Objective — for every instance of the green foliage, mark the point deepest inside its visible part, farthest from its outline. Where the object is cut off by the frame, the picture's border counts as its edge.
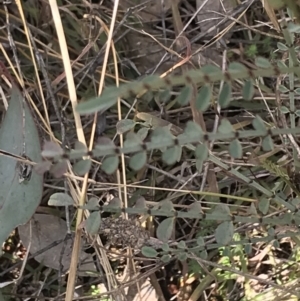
(21, 186)
(209, 86)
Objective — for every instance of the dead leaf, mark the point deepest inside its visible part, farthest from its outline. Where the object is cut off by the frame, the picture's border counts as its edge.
(47, 229)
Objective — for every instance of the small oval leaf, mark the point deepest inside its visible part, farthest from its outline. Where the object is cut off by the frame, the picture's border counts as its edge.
(110, 164)
(199, 165)
(225, 95)
(93, 222)
(224, 233)
(263, 205)
(282, 47)
(248, 90)
(203, 98)
(267, 143)
(108, 99)
(82, 167)
(60, 199)
(185, 95)
(51, 149)
(235, 149)
(92, 204)
(236, 67)
(166, 258)
(125, 125)
(138, 161)
(259, 124)
(201, 152)
(171, 155)
(262, 62)
(200, 241)
(149, 252)
(143, 133)
(165, 229)
(182, 256)
(166, 205)
(225, 127)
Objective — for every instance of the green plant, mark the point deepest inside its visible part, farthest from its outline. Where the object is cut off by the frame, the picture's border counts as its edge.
(194, 139)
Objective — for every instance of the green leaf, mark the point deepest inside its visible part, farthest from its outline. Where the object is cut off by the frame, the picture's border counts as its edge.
(271, 232)
(149, 252)
(166, 205)
(82, 167)
(164, 96)
(165, 247)
(225, 95)
(295, 201)
(297, 113)
(259, 124)
(115, 203)
(201, 152)
(165, 229)
(143, 133)
(132, 140)
(195, 206)
(51, 149)
(203, 254)
(227, 252)
(193, 130)
(182, 256)
(248, 249)
(297, 91)
(140, 203)
(224, 233)
(172, 155)
(185, 95)
(148, 96)
(125, 125)
(93, 222)
(262, 62)
(267, 143)
(263, 205)
(293, 28)
(248, 90)
(80, 146)
(92, 204)
(203, 98)
(101, 103)
(225, 127)
(235, 149)
(210, 69)
(281, 64)
(236, 67)
(166, 258)
(181, 245)
(110, 164)
(221, 211)
(276, 244)
(138, 161)
(284, 110)
(104, 144)
(200, 241)
(282, 47)
(283, 89)
(199, 165)
(58, 169)
(252, 210)
(21, 188)
(60, 199)
(161, 134)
